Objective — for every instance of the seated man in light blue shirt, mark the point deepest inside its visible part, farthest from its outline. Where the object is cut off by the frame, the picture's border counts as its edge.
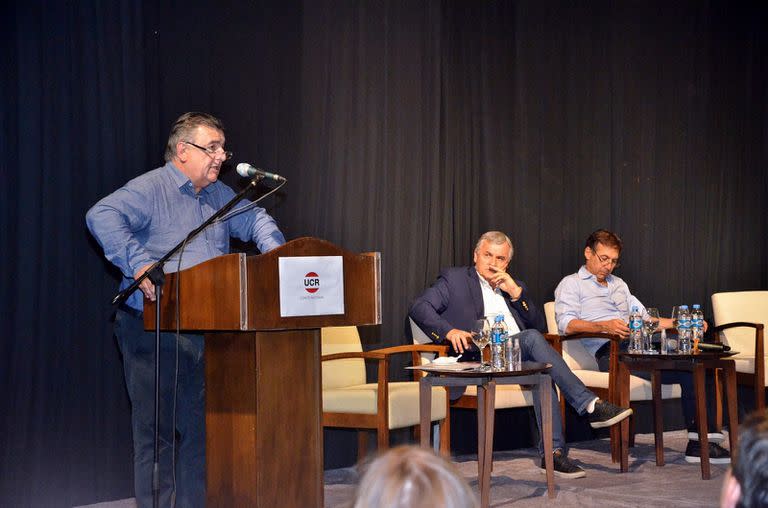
(136, 225)
(593, 300)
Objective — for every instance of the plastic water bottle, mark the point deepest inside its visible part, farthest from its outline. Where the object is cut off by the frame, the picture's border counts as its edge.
(635, 331)
(697, 325)
(498, 338)
(512, 353)
(684, 330)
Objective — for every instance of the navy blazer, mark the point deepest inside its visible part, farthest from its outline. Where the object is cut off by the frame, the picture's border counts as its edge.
(455, 300)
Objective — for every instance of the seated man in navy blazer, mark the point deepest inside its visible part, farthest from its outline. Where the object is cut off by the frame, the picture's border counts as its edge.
(462, 295)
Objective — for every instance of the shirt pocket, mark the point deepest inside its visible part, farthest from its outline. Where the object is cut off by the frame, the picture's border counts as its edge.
(220, 234)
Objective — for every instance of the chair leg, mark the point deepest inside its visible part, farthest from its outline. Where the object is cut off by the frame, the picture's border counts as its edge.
(760, 395)
(632, 431)
(382, 437)
(362, 444)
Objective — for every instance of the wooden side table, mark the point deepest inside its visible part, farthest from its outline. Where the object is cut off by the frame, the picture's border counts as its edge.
(531, 373)
(696, 364)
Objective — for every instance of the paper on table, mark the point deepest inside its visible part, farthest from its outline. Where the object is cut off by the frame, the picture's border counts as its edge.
(458, 367)
(445, 360)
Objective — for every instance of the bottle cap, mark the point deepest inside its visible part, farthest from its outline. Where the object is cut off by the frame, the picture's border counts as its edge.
(696, 306)
(684, 307)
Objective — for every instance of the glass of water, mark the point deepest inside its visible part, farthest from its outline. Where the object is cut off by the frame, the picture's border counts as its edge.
(650, 325)
(481, 336)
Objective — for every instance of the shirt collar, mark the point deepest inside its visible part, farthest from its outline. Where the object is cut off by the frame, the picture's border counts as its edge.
(484, 283)
(585, 274)
(182, 181)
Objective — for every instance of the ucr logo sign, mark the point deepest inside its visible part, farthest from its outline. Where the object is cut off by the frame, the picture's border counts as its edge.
(311, 282)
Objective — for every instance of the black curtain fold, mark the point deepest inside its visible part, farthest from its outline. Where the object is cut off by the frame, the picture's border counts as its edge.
(407, 128)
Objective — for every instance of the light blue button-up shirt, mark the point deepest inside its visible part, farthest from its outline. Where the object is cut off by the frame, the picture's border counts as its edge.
(580, 296)
(140, 222)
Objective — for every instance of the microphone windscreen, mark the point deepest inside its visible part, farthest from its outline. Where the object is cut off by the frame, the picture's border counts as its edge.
(242, 169)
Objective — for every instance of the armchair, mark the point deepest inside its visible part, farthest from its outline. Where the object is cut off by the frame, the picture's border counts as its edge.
(349, 401)
(603, 384)
(740, 319)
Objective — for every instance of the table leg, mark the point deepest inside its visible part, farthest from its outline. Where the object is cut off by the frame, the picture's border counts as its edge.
(658, 417)
(485, 394)
(482, 395)
(729, 370)
(545, 395)
(701, 417)
(425, 410)
(487, 411)
(623, 388)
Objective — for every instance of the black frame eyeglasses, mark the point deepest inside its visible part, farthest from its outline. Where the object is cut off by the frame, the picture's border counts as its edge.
(605, 260)
(210, 151)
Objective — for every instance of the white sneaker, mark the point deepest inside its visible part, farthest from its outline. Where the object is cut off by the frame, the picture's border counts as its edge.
(714, 437)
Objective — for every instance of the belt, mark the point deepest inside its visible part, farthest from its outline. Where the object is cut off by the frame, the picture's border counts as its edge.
(131, 311)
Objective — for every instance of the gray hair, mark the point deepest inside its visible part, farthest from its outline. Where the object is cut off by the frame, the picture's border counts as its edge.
(495, 238)
(413, 477)
(183, 128)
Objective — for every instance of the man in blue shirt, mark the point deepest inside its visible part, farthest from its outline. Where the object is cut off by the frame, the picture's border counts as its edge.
(593, 300)
(136, 225)
(448, 309)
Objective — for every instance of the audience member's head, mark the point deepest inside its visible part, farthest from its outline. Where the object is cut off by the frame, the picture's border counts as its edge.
(411, 477)
(746, 484)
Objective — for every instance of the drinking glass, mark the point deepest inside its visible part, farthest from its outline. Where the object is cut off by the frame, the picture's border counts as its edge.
(675, 311)
(650, 325)
(481, 336)
(672, 341)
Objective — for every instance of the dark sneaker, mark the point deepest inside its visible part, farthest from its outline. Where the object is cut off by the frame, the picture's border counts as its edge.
(563, 466)
(717, 454)
(607, 414)
(714, 437)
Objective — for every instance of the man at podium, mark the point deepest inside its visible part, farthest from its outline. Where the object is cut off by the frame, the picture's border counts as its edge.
(136, 225)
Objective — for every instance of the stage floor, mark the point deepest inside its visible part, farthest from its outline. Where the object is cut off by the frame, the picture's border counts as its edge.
(517, 481)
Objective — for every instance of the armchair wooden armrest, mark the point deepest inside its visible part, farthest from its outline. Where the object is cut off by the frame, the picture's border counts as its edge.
(759, 335)
(557, 340)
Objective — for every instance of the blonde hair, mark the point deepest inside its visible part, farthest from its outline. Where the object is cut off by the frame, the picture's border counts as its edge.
(412, 477)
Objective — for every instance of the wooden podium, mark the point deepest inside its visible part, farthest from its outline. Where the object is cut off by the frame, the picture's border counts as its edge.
(264, 444)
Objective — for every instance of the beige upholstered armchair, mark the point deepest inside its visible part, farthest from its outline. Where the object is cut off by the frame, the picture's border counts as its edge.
(584, 365)
(740, 319)
(349, 401)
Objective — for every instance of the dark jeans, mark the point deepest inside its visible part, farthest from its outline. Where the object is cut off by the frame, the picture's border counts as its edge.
(681, 377)
(534, 347)
(138, 350)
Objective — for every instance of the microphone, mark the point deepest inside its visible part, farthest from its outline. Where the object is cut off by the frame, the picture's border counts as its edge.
(248, 171)
(708, 346)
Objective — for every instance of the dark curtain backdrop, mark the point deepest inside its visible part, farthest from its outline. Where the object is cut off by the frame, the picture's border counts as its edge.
(407, 128)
